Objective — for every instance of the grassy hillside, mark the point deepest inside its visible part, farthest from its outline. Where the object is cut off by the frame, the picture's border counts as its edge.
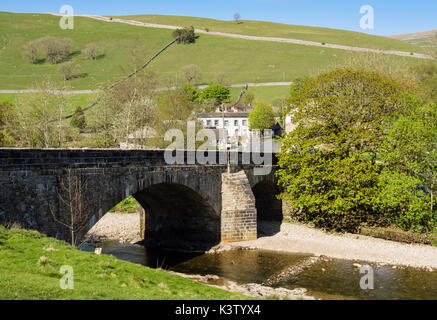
(239, 61)
(30, 264)
(270, 29)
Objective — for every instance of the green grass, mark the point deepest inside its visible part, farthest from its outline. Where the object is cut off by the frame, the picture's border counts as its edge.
(128, 205)
(30, 265)
(270, 29)
(240, 61)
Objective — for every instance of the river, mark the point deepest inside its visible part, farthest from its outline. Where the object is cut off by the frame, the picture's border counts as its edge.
(323, 278)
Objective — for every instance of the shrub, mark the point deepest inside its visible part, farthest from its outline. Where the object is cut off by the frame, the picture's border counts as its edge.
(78, 119)
(92, 51)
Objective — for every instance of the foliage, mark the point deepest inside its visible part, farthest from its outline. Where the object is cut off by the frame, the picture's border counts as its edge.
(328, 163)
(78, 120)
(409, 154)
(92, 51)
(124, 110)
(261, 117)
(220, 93)
(37, 114)
(55, 50)
(191, 73)
(426, 74)
(69, 71)
(173, 112)
(185, 35)
(8, 121)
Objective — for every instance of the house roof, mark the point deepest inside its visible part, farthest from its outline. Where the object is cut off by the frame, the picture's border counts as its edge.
(226, 115)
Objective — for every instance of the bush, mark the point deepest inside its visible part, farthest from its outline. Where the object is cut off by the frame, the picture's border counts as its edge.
(92, 51)
(78, 120)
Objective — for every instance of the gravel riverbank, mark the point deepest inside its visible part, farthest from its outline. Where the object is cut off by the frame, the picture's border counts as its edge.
(124, 228)
(292, 238)
(295, 238)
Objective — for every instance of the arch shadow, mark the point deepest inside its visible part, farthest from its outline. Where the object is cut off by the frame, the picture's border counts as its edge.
(269, 208)
(177, 217)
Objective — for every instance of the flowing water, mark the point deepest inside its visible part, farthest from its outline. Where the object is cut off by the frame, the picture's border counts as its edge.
(323, 278)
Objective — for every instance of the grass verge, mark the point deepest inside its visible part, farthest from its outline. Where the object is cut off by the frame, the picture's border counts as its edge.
(30, 269)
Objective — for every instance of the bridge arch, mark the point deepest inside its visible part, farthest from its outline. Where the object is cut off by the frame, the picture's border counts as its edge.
(176, 215)
(269, 208)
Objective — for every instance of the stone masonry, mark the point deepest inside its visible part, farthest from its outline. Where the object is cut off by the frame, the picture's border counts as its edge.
(238, 208)
(189, 202)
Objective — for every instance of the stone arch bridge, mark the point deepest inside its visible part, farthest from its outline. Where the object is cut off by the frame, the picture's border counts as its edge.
(182, 203)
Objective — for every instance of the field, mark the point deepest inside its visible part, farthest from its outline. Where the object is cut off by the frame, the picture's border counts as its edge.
(30, 269)
(270, 29)
(235, 60)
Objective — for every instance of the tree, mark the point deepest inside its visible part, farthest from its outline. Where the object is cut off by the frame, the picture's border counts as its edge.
(174, 110)
(261, 117)
(237, 17)
(181, 36)
(92, 51)
(218, 92)
(36, 113)
(409, 180)
(30, 51)
(74, 211)
(185, 35)
(78, 120)
(329, 168)
(191, 73)
(56, 50)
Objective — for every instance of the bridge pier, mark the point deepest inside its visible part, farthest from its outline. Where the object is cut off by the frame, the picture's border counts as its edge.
(238, 218)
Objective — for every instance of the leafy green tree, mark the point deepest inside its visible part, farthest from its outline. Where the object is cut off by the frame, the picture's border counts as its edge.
(409, 155)
(185, 35)
(261, 117)
(328, 163)
(220, 93)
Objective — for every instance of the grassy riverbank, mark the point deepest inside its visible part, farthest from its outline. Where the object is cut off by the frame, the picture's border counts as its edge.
(30, 265)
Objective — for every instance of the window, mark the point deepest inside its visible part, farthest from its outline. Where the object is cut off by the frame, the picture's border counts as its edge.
(208, 123)
(226, 123)
(245, 123)
(236, 123)
(216, 123)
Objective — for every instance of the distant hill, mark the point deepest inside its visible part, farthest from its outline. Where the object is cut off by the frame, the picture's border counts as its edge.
(422, 39)
(232, 60)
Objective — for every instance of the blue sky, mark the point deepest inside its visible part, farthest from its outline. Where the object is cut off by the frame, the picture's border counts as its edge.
(391, 16)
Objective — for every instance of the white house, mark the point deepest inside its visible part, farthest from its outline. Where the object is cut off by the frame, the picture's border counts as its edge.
(236, 124)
